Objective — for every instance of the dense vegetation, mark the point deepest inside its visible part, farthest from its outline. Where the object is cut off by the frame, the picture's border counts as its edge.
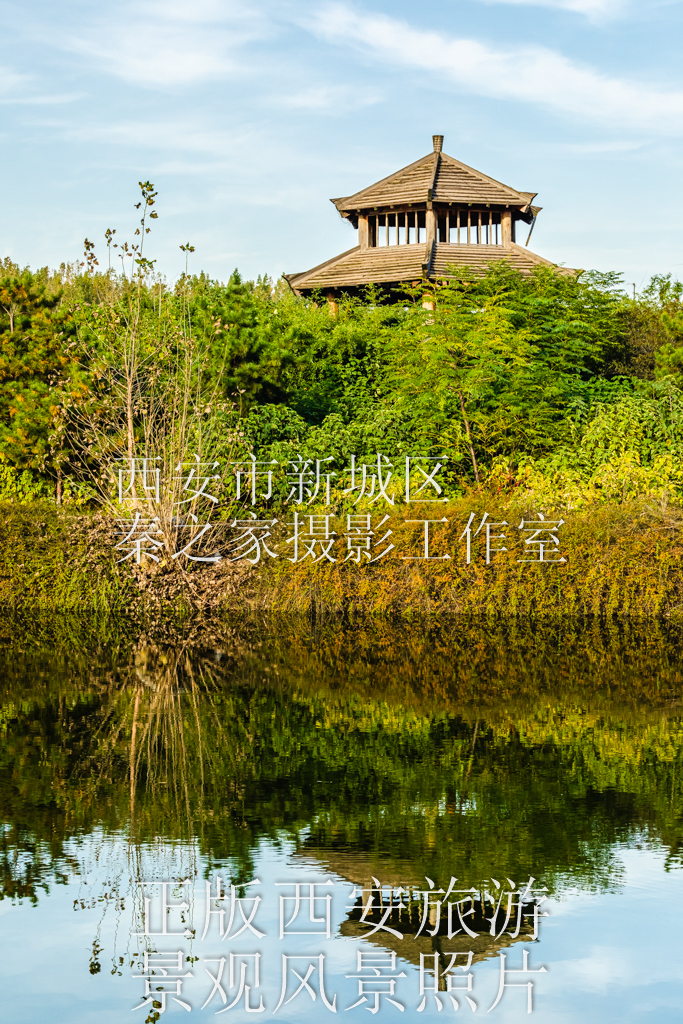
(561, 385)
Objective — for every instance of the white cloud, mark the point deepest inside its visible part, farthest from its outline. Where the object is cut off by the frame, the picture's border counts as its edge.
(15, 90)
(50, 99)
(531, 74)
(591, 148)
(179, 136)
(11, 80)
(339, 98)
(608, 969)
(174, 43)
(594, 9)
(194, 148)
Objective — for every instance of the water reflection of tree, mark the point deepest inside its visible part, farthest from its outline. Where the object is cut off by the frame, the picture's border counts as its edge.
(466, 750)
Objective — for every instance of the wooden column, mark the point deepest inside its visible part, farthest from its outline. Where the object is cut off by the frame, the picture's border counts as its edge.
(332, 303)
(506, 228)
(430, 224)
(363, 230)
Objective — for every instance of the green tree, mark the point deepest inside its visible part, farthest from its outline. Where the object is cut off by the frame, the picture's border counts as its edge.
(35, 331)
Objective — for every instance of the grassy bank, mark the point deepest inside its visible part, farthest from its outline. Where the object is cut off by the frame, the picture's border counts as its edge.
(47, 561)
(64, 560)
(620, 559)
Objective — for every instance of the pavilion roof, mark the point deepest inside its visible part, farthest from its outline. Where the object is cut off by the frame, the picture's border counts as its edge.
(397, 263)
(439, 178)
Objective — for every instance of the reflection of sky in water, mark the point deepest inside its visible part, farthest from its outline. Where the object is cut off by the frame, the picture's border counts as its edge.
(610, 957)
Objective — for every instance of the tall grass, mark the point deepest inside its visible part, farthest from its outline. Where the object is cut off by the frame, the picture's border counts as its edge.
(47, 564)
(620, 560)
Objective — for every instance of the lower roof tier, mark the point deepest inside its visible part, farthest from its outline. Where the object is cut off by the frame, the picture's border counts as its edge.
(395, 263)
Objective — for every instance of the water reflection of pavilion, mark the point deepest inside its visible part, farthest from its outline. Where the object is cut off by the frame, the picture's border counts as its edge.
(362, 872)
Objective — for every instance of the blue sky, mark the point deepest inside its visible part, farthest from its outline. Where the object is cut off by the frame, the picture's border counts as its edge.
(248, 117)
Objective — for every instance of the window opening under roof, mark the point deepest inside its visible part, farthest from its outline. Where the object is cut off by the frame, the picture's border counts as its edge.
(385, 229)
(469, 227)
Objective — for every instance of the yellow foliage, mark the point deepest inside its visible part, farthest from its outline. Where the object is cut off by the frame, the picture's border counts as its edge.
(620, 559)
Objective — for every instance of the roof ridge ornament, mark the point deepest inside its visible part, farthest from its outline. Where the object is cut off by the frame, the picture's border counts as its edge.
(437, 140)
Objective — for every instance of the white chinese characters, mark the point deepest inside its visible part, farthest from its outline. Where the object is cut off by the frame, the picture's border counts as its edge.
(383, 971)
(355, 516)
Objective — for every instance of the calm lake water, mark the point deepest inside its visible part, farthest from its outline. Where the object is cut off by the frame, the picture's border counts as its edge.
(344, 809)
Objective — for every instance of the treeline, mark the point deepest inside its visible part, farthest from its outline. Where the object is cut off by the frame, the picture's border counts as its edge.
(565, 386)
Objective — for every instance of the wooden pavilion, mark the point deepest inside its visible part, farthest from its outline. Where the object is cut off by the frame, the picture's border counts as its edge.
(421, 222)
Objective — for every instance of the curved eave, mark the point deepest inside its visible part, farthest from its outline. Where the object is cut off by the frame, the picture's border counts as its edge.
(400, 263)
(299, 280)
